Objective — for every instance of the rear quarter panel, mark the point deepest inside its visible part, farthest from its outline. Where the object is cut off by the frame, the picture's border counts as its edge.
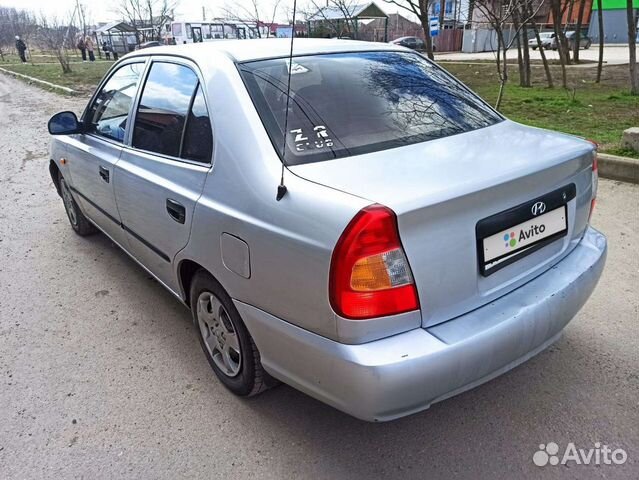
(291, 241)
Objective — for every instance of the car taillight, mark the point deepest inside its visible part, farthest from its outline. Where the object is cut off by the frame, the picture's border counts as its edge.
(595, 179)
(370, 276)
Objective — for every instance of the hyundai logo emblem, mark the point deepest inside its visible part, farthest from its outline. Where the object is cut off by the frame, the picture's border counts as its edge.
(538, 208)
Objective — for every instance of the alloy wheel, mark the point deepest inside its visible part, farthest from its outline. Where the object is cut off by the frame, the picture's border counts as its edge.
(219, 334)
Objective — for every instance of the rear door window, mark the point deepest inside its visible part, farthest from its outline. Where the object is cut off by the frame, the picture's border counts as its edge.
(164, 106)
(172, 118)
(352, 103)
(198, 138)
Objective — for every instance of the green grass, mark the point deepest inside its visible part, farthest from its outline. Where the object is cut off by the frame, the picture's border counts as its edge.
(83, 77)
(36, 57)
(600, 112)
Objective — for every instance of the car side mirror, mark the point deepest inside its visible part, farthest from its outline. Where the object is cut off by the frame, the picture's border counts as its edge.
(64, 123)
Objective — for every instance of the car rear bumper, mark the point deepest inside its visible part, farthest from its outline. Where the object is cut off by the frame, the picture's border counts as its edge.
(403, 374)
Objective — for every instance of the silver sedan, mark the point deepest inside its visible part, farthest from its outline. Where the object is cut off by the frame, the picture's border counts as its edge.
(350, 220)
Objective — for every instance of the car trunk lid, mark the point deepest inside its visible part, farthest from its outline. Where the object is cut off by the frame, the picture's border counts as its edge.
(440, 190)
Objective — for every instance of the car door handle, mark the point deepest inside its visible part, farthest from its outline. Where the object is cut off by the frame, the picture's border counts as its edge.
(104, 173)
(176, 210)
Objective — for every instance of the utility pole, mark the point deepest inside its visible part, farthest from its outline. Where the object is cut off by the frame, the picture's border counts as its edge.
(68, 33)
(203, 14)
(81, 17)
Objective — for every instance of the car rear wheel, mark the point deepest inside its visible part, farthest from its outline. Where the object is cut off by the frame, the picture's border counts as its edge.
(227, 344)
(78, 221)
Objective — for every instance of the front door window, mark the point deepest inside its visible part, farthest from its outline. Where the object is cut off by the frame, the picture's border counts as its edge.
(109, 112)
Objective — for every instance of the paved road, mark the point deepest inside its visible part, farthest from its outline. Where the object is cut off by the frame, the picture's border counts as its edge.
(101, 374)
(613, 55)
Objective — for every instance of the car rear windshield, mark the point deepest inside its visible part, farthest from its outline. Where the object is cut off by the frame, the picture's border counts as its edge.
(353, 103)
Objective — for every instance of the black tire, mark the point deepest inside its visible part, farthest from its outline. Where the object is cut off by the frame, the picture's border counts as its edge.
(251, 379)
(587, 45)
(80, 224)
(534, 48)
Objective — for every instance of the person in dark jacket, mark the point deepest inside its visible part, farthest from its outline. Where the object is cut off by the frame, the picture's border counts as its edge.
(82, 47)
(21, 47)
(106, 49)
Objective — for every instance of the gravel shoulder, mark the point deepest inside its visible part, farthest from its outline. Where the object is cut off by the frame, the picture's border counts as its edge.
(101, 374)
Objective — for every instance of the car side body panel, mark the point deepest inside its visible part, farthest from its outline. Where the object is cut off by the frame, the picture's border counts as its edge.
(290, 242)
(150, 188)
(92, 161)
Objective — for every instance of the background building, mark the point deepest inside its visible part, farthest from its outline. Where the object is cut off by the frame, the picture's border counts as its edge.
(614, 20)
(397, 26)
(344, 21)
(456, 12)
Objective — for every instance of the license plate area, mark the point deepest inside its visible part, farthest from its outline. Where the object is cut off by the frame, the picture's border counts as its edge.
(528, 226)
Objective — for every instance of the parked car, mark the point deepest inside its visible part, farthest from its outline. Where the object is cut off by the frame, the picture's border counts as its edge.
(415, 43)
(149, 44)
(584, 41)
(547, 41)
(366, 239)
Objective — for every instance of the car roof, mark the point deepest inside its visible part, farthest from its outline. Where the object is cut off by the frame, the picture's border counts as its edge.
(258, 49)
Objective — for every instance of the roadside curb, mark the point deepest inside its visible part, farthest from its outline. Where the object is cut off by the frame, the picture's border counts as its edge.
(67, 90)
(618, 168)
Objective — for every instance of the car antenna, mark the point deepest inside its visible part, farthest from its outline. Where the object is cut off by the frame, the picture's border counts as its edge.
(281, 188)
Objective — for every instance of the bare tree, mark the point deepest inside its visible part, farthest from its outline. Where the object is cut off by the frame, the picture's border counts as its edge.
(54, 36)
(419, 8)
(523, 54)
(498, 13)
(580, 16)
(158, 13)
(275, 7)
(251, 12)
(337, 27)
(15, 22)
(146, 14)
(632, 45)
(82, 16)
(254, 12)
(558, 8)
(601, 39)
(132, 12)
(542, 51)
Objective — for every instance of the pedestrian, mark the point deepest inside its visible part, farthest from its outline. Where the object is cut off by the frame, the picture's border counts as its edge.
(88, 41)
(82, 47)
(106, 50)
(21, 47)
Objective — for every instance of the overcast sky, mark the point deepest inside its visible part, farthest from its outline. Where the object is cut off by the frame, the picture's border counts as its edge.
(105, 10)
(101, 11)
